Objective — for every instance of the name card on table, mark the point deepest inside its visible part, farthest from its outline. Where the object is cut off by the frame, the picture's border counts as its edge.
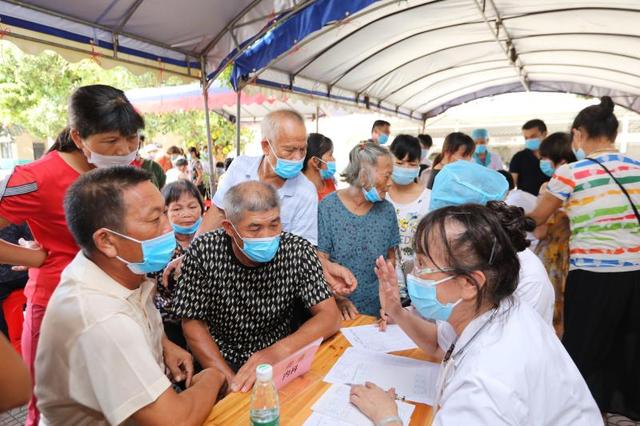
(295, 365)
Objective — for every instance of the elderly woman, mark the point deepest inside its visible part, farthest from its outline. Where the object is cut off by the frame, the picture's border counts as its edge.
(503, 364)
(602, 296)
(357, 225)
(184, 211)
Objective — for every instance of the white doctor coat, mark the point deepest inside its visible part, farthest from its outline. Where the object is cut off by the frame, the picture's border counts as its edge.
(515, 372)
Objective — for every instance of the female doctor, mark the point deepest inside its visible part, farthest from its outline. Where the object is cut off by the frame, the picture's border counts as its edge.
(502, 365)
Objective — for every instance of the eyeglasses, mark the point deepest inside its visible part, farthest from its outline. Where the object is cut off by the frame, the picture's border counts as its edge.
(424, 271)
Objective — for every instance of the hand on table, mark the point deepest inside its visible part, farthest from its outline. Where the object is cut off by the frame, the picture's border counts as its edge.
(178, 361)
(347, 309)
(340, 279)
(246, 376)
(172, 267)
(373, 401)
(388, 292)
(214, 375)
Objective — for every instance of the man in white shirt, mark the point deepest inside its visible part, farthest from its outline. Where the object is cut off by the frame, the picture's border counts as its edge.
(284, 146)
(102, 353)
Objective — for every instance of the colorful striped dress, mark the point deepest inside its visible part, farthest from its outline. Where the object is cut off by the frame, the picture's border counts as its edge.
(605, 234)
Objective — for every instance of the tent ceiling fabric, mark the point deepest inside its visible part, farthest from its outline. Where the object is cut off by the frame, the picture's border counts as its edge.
(419, 57)
(170, 35)
(409, 57)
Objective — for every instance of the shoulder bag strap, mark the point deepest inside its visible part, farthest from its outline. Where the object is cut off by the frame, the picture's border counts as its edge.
(635, 209)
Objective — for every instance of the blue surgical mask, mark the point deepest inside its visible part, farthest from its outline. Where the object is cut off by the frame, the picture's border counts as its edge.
(260, 250)
(423, 296)
(286, 169)
(329, 171)
(547, 167)
(404, 175)
(580, 155)
(532, 144)
(187, 230)
(156, 253)
(383, 138)
(481, 149)
(372, 195)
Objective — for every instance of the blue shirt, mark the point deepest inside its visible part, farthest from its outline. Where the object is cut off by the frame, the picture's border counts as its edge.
(356, 242)
(298, 197)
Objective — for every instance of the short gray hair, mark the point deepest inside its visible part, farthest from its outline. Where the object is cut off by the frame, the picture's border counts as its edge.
(270, 126)
(252, 196)
(363, 160)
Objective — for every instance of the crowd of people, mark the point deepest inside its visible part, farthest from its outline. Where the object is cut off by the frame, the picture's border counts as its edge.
(143, 305)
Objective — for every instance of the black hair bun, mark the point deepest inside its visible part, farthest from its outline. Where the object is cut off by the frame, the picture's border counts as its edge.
(606, 106)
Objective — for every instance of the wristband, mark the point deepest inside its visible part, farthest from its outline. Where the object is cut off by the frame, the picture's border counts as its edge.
(388, 420)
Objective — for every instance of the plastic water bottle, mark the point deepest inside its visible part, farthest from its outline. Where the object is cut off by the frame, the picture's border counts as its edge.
(265, 408)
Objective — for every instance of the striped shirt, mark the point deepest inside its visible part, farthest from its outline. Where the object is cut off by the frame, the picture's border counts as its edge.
(605, 234)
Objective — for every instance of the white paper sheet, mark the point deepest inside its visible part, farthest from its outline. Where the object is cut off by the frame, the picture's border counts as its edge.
(371, 338)
(413, 379)
(334, 408)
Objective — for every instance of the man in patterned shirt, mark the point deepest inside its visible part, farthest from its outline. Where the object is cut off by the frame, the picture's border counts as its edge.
(240, 284)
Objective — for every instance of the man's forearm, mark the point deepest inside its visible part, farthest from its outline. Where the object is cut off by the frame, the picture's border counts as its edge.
(325, 323)
(201, 397)
(203, 346)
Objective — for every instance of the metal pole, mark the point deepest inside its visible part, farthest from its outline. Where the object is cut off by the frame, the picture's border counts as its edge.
(238, 103)
(317, 118)
(205, 95)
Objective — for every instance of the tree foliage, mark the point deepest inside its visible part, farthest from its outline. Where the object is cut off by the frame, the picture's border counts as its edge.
(34, 90)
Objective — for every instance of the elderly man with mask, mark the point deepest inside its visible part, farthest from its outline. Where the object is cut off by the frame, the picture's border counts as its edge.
(482, 155)
(102, 352)
(240, 285)
(284, 146)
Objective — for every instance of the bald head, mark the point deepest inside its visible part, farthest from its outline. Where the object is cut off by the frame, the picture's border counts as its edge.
(251, 196)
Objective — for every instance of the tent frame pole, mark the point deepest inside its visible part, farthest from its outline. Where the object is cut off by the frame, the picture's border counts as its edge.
(238, 113)
(205, 95)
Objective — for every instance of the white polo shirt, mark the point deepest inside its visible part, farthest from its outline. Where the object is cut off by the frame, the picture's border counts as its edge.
(514, 372)
(99, 357)
(298, 197)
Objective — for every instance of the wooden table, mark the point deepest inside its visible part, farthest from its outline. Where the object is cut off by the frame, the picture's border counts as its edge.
(297, 397)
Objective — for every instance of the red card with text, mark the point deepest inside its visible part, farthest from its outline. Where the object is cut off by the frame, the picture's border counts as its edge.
(295, 365)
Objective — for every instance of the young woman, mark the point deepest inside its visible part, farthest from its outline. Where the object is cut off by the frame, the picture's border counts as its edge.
(103, 131)
(457, 146)
(184, 210)
(357, 225)
(502, 363)
(319, 164)
(410, 200)
(601, 196)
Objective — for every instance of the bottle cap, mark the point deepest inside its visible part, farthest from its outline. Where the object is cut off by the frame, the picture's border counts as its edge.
(264, 372)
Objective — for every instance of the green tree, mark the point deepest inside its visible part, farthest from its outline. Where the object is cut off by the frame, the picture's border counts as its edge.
(34, 90)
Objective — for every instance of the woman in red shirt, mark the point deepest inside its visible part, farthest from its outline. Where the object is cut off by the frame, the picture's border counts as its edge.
(319, 164)
(103, 131)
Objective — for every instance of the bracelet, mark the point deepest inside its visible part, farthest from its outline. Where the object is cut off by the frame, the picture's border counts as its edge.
(388, 420)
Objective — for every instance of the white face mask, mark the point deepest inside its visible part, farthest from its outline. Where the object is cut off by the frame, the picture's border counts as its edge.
(104, 161)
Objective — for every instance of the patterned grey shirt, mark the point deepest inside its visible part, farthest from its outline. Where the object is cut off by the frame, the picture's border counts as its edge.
(247, 309)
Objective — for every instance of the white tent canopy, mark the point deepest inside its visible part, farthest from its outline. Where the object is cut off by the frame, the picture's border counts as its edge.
(173, 36)
(411, 57)
(420, 57)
